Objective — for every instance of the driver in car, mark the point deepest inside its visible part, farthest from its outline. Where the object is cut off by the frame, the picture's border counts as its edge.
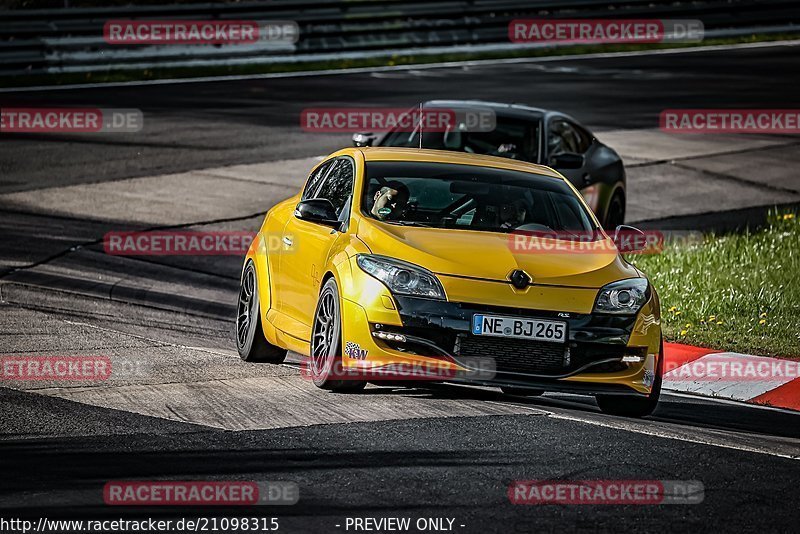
(512, 215)
(390, 201)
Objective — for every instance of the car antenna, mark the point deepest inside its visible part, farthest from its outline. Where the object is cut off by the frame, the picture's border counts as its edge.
(420, 125)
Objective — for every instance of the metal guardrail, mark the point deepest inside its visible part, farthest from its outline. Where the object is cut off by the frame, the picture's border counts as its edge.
(71, 40)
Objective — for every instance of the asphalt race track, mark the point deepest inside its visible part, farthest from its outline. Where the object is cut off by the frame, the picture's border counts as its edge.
(181, 405)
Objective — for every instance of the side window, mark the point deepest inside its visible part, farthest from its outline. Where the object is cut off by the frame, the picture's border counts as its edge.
(584, 139)
(338, 185)
(314, 180)
(563, 137)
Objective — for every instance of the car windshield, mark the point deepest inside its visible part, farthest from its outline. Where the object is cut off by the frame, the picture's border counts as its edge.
(469, 197)
(510, 138)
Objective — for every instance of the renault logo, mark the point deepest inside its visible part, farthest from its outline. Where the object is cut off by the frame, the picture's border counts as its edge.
(520, 279)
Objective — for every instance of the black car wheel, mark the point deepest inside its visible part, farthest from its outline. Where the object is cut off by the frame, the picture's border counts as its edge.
(615, 215)
(250, 340)
(326, 343)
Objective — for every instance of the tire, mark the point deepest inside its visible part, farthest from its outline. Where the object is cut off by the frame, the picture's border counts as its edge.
(250, 340)
(522, 392)
(325, 355)
(634, 406)
(615, 214)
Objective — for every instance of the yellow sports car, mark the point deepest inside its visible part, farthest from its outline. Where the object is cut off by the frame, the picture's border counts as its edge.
(423, 264)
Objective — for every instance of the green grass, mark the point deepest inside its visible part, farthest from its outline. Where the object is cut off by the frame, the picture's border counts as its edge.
(111, 76)
(738, 292)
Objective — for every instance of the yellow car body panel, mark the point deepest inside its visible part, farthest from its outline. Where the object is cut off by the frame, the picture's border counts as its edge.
(472, 267)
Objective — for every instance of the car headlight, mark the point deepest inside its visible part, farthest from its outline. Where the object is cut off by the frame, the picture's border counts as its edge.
(623, 297)
(400, 277)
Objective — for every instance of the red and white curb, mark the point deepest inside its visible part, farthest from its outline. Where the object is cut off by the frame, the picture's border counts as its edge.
(730, 375)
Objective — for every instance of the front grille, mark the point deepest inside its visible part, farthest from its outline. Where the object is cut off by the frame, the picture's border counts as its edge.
(515, 355)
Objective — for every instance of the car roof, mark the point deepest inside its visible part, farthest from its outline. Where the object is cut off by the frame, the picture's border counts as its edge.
(448, 156)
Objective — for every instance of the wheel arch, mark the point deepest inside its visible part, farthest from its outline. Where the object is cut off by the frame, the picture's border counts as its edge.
(327, 276)
(257, 253)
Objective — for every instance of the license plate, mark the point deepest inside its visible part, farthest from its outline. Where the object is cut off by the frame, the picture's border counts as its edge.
(519, 327)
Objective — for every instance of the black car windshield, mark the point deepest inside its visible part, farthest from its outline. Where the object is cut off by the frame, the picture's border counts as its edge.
(444, 195)
(510, 138)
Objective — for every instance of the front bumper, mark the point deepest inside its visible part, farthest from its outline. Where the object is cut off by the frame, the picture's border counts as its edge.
(438, 333)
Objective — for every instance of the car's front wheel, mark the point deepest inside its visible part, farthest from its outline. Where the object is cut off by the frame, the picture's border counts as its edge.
(326, 344)
(250, 340)
(634, 406)
(615, 215)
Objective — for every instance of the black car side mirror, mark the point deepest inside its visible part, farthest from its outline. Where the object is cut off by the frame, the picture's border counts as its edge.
(629, 239)
(364, 139)
(317, 210)
(567, 160)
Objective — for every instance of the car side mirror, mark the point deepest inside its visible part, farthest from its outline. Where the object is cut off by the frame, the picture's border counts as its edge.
(566, 160)
(629, 239)
(364, 139)
(317, 210)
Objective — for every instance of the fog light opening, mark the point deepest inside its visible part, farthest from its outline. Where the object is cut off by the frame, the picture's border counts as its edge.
(389, 336)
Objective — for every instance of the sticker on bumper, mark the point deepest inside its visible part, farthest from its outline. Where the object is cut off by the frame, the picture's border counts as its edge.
(354, 351)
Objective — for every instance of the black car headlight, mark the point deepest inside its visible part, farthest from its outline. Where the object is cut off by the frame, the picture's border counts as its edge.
(623, 297)
(400, 277)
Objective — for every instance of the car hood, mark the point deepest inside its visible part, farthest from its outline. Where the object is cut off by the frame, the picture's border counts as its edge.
(493, 256)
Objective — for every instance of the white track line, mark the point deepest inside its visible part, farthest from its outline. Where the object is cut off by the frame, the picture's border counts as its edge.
(360, 70)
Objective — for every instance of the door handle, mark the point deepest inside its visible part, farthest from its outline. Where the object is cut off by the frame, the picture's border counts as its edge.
(287, 241)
